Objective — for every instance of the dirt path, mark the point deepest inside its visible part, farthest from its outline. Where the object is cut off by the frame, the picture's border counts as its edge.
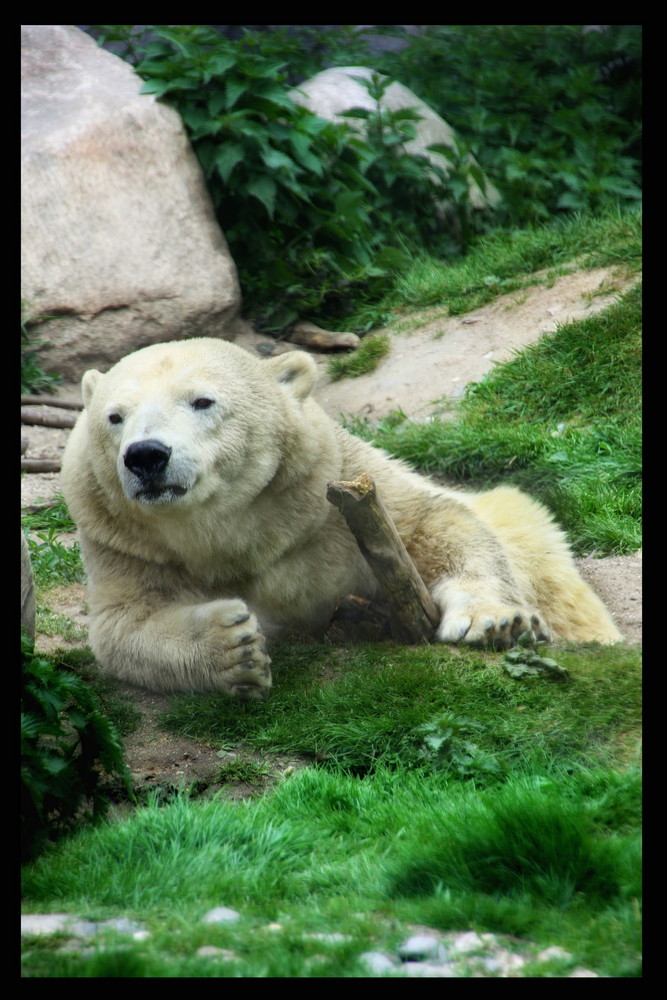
(432, 360)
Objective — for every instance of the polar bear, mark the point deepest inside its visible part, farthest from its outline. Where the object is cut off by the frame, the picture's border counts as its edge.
(197, 476)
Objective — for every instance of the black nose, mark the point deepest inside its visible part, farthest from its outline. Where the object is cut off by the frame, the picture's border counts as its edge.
(147, 458)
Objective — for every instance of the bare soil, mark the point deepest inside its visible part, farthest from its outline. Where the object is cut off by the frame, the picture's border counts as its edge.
(431, 361)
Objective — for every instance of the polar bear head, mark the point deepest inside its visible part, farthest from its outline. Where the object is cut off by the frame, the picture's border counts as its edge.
(174, 424)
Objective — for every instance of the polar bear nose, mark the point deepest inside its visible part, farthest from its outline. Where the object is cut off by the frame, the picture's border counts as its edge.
(147, 458)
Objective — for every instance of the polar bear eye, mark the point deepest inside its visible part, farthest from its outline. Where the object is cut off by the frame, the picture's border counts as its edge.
(202, 404)
(115, 418)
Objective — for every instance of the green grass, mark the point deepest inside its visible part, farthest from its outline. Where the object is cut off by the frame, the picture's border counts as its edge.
(506, 261)
(561, 420)
(358, 708)
(361, 361)
(436, 789)
(52, 562)
(327, 852)
(527, 824)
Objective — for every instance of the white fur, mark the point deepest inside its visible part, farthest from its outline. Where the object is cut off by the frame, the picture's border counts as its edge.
(234, 538)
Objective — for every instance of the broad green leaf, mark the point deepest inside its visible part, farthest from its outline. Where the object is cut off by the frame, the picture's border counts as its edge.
(233, 90)
(226, 158)
(219, 64)
(264, 189)
(275, 160)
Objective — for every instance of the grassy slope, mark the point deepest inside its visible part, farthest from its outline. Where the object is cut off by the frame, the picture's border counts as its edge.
(516, 810)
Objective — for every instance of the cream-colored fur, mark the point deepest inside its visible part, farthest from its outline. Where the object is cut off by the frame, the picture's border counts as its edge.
(197, 477)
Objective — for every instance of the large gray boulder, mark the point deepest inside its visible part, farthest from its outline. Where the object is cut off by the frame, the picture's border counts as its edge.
(332, 92)
(121, 247)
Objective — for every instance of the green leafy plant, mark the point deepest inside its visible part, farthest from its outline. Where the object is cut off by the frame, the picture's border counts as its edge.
(33, 378)
(53, 515)
(67, 745)
(445, 746)
(552, 112)
(281, 177)
(53, 562)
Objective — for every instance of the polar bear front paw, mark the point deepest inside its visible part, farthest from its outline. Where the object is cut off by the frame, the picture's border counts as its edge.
(240, 663)
(492, 626)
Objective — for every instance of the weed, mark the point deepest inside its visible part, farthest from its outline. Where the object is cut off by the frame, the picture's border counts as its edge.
(249, 772)
(279, 176)
(52, 562)
(66, 742)
(54, 516)
(365, 359)
(33, 378)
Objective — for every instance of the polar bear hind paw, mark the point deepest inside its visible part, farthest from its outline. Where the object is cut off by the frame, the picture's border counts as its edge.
(494, 627)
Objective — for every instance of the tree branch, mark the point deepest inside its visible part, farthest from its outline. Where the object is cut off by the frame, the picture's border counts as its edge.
(413, 612)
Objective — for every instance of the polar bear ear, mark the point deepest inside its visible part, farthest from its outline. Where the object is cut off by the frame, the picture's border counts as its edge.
(88, 383)
(295, 370)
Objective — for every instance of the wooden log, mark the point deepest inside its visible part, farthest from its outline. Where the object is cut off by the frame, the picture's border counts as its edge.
(413, 612)
(311, 335)
(36, 417)
(40, 465)
(63, 404)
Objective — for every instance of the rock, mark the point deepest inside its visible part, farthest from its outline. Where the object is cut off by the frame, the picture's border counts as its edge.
(221, 915)
(423, 946)
(66, 923)
(121, 247)
(334, 937)
(211, 951)
(45, 923)
(466, 942)
(334, 91)
(553, 953)
(377, 962)
(428, 970)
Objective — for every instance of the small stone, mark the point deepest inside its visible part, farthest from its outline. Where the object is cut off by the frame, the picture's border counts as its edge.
(123, 926)
(221, 915)
(378, 962)
(210, 951)
(507, 961)
(492, 964)
(463, 943)
(334, 938)
(429, 970)
(548, 954)
(583, 974)
(45, 923)
(423, 946)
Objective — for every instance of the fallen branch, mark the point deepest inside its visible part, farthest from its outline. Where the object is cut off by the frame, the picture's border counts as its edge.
(63, 404)
(310, 335)
(40, 465)
(413, 612)
(33, 417)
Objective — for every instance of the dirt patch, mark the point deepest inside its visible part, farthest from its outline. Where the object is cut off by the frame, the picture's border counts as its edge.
(434, 360)
(429, 365)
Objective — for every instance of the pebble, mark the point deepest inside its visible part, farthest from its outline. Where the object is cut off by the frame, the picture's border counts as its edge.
(422, 946)
(221, 915)
(424, 954)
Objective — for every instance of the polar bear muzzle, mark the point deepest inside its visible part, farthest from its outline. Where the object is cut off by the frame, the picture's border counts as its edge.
(148, 461)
